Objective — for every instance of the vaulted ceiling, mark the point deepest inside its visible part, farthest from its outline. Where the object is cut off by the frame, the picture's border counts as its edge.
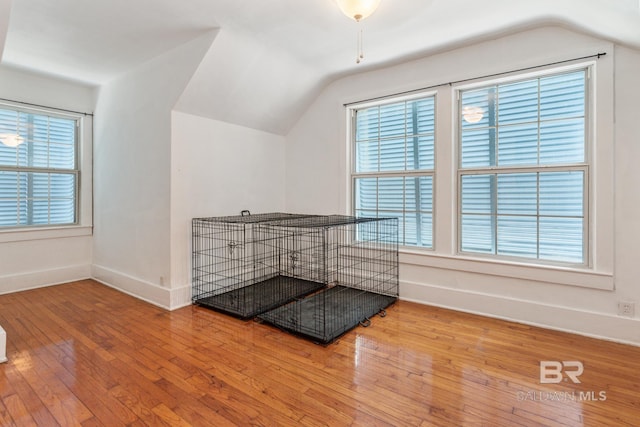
(270, 58)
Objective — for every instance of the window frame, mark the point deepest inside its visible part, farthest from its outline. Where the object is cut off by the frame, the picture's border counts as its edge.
(82, 214)
(586, 166)
(351, 111)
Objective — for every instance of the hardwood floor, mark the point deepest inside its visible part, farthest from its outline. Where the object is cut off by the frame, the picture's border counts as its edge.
(85, 354)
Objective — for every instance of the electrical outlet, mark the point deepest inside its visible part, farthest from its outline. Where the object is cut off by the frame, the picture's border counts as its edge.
(626, 308)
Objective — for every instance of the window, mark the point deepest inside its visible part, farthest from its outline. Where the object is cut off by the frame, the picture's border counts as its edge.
(523, 168)
(392, 172)
(38, 168)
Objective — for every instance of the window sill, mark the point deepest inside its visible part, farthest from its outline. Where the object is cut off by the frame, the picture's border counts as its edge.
(582, 277)
(27, 234)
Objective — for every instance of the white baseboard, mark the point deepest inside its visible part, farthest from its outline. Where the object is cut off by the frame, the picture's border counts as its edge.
(141, 289)
(41, 279)
(3, 345)
(169, 299)
(596, 325)
(180, 297)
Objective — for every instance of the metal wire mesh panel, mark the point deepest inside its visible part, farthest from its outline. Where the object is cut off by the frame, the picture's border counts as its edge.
(357, 258)
(229, 275)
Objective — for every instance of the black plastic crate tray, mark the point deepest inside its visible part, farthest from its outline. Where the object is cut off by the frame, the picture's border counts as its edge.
(327, 314)
(249, 301)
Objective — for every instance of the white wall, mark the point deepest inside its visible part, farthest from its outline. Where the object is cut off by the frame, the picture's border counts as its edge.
(218, 169)
(583, 302)
(33, 258)
(133, 172)
(627, 176)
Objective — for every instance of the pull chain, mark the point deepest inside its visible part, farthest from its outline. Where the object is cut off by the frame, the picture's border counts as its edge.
(359, 49)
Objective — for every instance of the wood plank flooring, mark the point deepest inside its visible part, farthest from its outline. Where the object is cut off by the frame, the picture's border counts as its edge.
(83, 354)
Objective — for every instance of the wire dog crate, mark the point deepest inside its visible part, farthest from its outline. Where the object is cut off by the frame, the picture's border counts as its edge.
(357, 258)
(228, 272)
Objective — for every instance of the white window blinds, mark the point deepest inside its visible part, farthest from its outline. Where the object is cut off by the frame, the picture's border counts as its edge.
(38, 177)
(523, 170)
(393, 166)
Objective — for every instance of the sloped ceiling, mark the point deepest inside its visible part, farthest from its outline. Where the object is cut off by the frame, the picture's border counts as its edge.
(271, 58)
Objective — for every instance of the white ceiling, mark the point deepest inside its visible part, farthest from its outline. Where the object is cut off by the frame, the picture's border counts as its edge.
(271, 57)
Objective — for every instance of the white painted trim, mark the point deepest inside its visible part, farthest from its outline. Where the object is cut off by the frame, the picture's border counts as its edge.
(180, 297)
(169, 299)
(556, 275)
(41, 233)
(41, 279)
(3, 345)
(591, 324)
(138, 288)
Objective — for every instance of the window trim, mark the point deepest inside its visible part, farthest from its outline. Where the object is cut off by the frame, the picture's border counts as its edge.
(83, 224)
(534, 261)
(444, 255)
(352, 157)
(586, 166)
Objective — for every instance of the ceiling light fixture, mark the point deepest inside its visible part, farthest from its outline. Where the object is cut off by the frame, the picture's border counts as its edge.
(472, 114)
(358, 10)
(11, 139)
